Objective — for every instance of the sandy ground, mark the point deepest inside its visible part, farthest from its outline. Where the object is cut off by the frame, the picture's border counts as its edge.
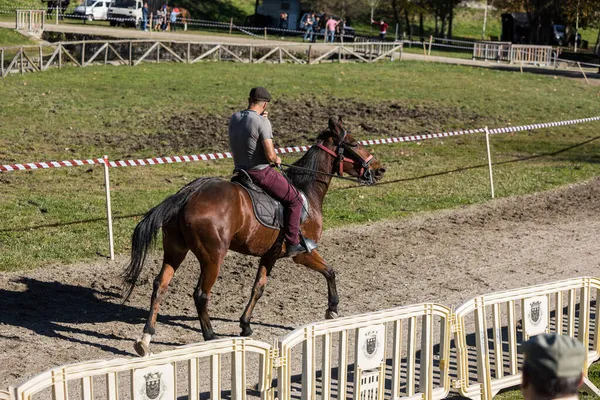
(66, 314)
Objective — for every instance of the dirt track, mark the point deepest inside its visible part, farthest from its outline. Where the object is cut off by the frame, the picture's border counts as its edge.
(60, 315)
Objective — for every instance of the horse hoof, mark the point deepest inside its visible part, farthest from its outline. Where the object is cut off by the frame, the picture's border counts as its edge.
(330, 314)
(141, 348)
(246, 331)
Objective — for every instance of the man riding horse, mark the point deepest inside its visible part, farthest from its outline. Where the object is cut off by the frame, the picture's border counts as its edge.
(251, 144)
(211, 216)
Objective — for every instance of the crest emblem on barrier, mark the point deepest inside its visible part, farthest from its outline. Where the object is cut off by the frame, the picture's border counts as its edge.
(371, 344)
(154, 388)
(534, 313)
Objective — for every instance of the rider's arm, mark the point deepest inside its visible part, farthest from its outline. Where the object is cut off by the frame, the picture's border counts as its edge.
(270, 152)
(266, 134)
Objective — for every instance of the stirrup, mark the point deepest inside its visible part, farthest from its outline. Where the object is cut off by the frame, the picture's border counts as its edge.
(308, 244)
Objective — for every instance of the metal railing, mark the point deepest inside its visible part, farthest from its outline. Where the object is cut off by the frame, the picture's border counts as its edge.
(31, 21)
(401, 353)
(507, 319)
(367, 342)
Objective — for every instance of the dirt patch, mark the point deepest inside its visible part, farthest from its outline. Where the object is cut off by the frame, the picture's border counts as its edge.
(297, 122)
(59, 314)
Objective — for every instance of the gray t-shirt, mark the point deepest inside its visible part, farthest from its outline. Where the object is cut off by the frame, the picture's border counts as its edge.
(247, 130)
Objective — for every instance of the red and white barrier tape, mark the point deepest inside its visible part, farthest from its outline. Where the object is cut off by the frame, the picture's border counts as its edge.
(281, 150)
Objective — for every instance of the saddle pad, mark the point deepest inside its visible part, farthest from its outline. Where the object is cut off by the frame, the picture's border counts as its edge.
(268, 211)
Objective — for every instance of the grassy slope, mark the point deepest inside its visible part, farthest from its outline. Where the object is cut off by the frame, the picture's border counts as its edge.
(8, 37)
(102, 107)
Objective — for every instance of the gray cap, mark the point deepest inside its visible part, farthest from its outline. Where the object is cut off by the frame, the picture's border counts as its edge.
(260, 94)
(554, 356)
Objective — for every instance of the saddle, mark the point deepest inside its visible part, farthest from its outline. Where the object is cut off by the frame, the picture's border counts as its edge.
(268, 211)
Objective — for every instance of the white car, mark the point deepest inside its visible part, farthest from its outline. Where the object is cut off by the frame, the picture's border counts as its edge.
(125, 12)
(93, 10)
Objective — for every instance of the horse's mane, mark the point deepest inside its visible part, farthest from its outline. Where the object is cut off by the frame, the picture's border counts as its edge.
(300, 178)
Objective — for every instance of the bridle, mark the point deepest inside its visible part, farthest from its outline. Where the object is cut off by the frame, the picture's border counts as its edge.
(365, 174)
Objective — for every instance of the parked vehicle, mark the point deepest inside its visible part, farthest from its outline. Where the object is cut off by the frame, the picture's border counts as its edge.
(125, 12)
(93, 10)
(558, 35)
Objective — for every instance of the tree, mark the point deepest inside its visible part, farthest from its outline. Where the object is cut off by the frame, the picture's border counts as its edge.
(543, 13)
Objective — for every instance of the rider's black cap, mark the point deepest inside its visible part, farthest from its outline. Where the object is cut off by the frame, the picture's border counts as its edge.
(260, 94)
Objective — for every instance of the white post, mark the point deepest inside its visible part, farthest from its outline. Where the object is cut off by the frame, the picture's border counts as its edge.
(576, 27)
(487, 141)
(485, 12)
(108, 209)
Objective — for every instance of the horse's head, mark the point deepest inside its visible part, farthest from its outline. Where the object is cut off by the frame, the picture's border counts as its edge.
(351, 157)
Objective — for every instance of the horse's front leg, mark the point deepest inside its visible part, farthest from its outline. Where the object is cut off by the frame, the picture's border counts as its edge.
(264, 270)
(315, 262)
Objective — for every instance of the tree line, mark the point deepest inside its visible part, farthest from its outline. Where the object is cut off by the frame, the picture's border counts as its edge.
(410, 15)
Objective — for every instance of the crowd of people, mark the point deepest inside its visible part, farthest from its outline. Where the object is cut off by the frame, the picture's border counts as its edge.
(315, 24)
(164, 20)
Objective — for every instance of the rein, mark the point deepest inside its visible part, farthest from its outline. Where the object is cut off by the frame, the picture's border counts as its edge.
(319, 172)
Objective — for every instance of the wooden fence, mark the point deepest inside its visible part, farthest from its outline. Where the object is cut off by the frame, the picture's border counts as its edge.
(134, 52)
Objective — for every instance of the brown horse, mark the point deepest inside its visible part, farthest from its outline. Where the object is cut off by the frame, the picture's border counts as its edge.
(183, 16)
(210, 216)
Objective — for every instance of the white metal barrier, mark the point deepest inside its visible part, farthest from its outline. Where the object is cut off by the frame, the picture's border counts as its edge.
(30, 20)
(375, 338)
(159, 376)
(401, 353)
(497, 51)
(530, 54)
(499, 323)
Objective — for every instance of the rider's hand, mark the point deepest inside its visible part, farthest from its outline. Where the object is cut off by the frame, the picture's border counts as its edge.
(278, 161)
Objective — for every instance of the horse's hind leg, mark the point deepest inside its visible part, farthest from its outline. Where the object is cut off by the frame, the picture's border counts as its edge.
(174, 255)
(264, 270)
(315, 262)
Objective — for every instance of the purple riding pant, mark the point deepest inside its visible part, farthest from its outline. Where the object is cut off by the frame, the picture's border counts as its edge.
(280, 189)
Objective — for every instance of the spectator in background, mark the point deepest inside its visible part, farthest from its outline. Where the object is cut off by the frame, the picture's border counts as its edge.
(308, 25)
(145, 17)
(174, 13)
(341, 28)
(160, 15)
(321, 22)
(283, 20)
(331, 26)
(553, 367)
(382, 28)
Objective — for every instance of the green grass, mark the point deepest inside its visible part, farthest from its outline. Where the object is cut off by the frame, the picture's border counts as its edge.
(82, 113)
(9, 37)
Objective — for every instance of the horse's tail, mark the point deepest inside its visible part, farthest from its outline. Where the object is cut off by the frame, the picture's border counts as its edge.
(144, 235)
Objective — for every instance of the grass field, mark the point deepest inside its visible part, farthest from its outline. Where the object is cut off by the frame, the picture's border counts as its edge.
(8, 37)
(53, 216)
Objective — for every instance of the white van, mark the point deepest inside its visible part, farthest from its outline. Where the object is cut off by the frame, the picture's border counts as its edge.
(93, 10)
(125, 12)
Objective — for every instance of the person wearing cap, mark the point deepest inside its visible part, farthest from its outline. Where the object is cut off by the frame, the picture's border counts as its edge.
(251, 144)
(552, 368)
